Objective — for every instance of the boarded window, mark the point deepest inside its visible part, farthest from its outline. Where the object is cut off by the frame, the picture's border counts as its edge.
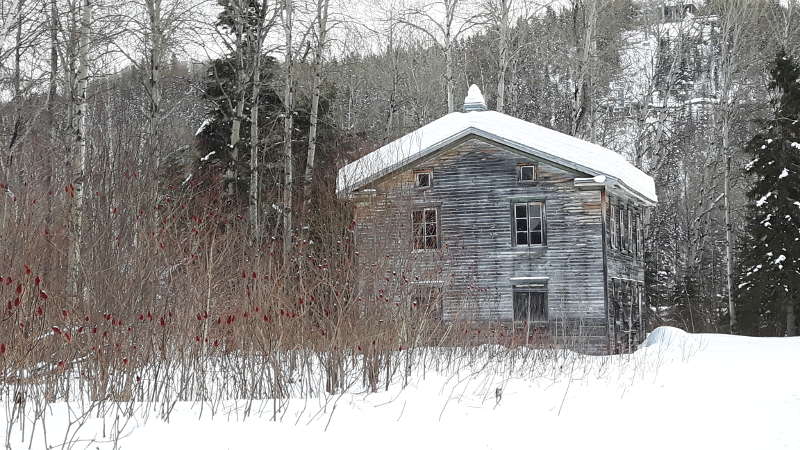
(529, 226)
(530, 304)
(527, 173)
(426, 228)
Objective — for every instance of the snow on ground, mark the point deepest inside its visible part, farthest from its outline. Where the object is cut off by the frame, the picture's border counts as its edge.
(679, 391)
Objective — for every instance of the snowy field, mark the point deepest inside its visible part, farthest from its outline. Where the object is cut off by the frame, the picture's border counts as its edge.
(679, 391)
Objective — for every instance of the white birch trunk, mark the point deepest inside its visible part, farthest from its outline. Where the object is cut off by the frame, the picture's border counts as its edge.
(322, 30)
(78, 157)
(254, 200)
(288, 125)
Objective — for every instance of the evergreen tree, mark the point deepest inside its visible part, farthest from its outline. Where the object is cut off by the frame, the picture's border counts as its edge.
(769, 282)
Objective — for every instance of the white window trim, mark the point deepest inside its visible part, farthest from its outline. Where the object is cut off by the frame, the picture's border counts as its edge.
(428, 172)
(425, 228)
(528, 217)
(519, 173)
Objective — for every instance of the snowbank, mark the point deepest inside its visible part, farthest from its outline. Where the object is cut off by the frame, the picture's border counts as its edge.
(729, 392)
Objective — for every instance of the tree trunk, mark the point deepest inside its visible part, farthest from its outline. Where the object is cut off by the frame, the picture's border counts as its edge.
(448, 59)
(584, 46)
(232, 171)
(322, 21)
(791, 319)
(154, 84)
(78, 157)
(503, 39)
(288, 124)
(728, 238)
(254, 200)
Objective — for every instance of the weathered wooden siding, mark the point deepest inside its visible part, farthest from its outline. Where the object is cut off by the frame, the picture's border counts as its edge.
(474, 186)
(624, 266)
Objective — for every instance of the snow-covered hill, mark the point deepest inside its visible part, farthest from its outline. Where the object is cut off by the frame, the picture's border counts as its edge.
(679, 391)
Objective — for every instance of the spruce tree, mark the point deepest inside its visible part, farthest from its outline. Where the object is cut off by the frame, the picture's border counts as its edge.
(769, 281)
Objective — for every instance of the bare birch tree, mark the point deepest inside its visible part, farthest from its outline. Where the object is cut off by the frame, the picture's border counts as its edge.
(288, 124)
(265, 20)
(320, 43)
(443, 22)
(734, 23)
(584, 29)
(78, 80)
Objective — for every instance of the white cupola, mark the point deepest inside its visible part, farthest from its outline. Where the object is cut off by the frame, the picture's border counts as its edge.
(474, 100)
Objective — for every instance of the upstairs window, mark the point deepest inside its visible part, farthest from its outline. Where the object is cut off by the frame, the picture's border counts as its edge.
(423, 179)
(526, 173)
(529, 226)
(530, 303)
(425, 226)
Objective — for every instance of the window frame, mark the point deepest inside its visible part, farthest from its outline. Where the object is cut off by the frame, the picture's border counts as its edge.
(429, 173)
(533, 170)
(623, 245)
(528, 217)
(614, 225)
(529, 289)
(437, 235)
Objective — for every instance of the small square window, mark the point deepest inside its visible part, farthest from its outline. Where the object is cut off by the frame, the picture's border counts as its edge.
(424, 179)
(527, 173)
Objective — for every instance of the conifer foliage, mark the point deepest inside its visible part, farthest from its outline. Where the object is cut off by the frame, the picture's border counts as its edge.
(769, 284)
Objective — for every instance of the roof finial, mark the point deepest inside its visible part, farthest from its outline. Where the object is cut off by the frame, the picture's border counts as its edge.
(474, 100)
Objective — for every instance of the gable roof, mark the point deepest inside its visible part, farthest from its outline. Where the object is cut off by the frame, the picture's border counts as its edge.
(524, 136)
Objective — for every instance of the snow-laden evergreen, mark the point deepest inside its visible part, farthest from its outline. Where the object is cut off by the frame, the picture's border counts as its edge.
(770, 254)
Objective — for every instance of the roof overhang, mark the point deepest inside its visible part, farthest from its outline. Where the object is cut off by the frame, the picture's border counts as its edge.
(608, 182)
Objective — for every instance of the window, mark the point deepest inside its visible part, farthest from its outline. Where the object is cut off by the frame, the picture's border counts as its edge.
(529, 223)
(423, 179)
(635, 233)
(426, 228)
(527, 173)
(614, 242)
(530, 303)
(621, 228)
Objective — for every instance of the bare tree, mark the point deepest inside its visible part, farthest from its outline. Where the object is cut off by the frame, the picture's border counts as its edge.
(443, 22)
(321, 41)
(78, 73)
(733, 60)
(584, 29)
(288, 124)
(266, 17)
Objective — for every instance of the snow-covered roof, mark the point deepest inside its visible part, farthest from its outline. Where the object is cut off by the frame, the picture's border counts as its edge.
(538, 141)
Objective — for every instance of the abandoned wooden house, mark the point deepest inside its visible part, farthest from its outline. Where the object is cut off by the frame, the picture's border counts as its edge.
(508, 222)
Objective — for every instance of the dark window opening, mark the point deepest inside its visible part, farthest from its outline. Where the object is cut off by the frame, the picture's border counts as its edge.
(527, 173)
(529, 226)
(424, 179)
(426, 228)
